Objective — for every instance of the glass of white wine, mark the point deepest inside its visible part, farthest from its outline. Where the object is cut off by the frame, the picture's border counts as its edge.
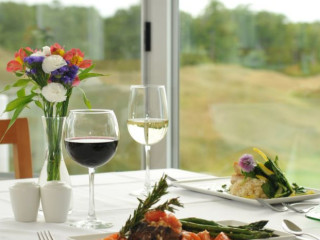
(147, 121)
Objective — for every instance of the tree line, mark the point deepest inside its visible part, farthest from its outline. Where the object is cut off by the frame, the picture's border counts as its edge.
(238, 36)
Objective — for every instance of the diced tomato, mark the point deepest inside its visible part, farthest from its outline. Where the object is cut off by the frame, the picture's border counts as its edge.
(173, 222)
(154, 215)
(204, 235)
(222, 236)
(190, 236)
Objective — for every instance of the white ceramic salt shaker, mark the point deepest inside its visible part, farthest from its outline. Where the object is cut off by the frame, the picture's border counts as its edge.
(25, 199)
(55, 201)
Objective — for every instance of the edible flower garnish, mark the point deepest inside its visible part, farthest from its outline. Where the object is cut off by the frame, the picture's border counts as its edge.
(247, 163)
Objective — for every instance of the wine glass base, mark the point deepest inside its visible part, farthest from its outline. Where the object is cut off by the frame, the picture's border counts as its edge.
(95, 224)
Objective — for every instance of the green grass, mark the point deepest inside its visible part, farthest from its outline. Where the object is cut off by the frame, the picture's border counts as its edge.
(226, 110)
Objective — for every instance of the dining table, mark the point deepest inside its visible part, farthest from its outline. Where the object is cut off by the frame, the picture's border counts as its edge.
(114, 203)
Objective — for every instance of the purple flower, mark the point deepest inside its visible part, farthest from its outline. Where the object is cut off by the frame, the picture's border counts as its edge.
(60, 71)
(73, 70)
(247, 163)
(65, 74)
(33, 59)
(66, 79)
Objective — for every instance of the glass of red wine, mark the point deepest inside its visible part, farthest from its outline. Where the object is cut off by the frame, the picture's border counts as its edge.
(91, 139)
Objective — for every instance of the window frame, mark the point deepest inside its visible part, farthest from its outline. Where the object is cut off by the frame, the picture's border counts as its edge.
(161, 66)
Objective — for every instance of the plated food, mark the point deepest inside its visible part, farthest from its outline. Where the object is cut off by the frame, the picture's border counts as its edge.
(262, 179)
(156, 223)
(219, 187)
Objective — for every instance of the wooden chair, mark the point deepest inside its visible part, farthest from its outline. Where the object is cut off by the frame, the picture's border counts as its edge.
(18, 135)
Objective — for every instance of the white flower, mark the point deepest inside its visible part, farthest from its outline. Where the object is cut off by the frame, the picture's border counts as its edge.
(53, 62)
(38, 54)
(54, 92)
(46, 50)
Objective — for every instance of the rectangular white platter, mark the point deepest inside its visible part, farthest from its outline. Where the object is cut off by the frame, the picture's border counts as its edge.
(213, 186)
(100, 236)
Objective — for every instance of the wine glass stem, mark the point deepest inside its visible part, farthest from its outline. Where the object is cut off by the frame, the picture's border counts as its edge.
(91, 212)
(147, 182)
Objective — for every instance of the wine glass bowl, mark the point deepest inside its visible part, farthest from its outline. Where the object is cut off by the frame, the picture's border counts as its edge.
(147, 121)
(91, 139)
(91, 152)
(147, 131)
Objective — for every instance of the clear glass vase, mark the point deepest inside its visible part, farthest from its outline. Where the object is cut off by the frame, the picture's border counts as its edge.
(54, 167)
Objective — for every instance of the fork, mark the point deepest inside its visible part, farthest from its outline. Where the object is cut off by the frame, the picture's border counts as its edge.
(305, 210)
(45, 235)
(285, 206)
(281, 208)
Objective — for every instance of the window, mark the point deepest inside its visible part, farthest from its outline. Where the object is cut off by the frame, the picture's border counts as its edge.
(107, 32)
(249, 78)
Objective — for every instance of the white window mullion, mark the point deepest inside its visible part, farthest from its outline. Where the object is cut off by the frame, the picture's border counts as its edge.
(173, 83)
(160, 66)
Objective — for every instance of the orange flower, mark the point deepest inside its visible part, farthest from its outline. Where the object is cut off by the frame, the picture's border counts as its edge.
(56, 49)
(17, 63)
(75, 56)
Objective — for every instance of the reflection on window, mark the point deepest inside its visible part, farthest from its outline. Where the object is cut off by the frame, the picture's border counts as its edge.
(112, 41)
(249, 78)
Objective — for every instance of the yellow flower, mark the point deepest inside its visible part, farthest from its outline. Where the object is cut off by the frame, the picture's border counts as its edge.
(265, 169)
(261, 177)
(264, 156)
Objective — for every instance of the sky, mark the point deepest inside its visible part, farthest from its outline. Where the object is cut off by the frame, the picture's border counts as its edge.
(295, 10)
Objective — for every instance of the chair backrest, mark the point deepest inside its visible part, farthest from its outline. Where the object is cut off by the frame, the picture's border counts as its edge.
(18, 135)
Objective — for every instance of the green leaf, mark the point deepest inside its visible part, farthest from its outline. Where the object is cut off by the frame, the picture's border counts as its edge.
(85, 99)
(89, 75)
(39, 104)
(251, 174)
(27, 51)
(87, 69)
(19, 74)
(21, 92)
(6, 88)
(34, 88)
(268, 189)
(21, 82)
(16, 103)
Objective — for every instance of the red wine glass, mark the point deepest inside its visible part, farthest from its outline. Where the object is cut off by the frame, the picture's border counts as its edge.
(91, 139)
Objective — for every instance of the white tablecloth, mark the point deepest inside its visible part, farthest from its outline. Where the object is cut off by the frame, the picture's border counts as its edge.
(114, 204)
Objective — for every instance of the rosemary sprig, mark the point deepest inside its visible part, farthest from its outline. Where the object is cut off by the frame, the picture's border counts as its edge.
(167, 205)
(152, 198)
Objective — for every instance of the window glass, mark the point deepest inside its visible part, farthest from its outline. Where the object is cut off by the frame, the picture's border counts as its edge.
(108, 32)
(249, 77)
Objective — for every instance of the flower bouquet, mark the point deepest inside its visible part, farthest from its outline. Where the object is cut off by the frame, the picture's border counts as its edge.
(47, 78)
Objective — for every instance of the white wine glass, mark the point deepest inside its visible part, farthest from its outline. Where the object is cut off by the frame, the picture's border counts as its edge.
(91, 139)
(147, 121)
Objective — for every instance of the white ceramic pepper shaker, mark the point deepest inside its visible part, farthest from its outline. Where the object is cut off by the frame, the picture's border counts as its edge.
(55, 201)
(25, 199)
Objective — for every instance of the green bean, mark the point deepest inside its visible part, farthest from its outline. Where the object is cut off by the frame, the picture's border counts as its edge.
(233, 232)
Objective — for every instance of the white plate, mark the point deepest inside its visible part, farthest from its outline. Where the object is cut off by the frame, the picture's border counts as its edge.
(281, 235)
(98, 236)
(213, 186)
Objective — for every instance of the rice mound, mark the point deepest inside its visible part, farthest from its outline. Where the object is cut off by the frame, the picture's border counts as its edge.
(247, 187)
